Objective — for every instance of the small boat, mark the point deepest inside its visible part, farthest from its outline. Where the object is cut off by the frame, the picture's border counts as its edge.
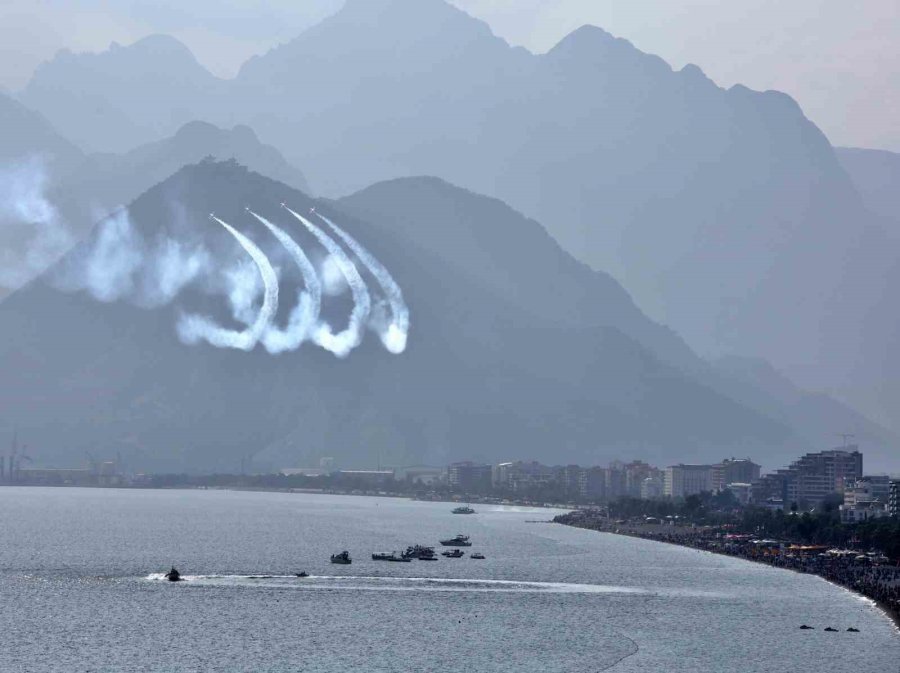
(830, 629)
(301, 574)
(173, 575)
(852, 630)
(804, 627)
(457, 541)
(420, 552)
(393, 557)
(456, 553)
(342, 559)
(464, 510)
(477, 555)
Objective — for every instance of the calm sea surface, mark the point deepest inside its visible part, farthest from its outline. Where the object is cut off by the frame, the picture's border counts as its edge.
(80, 591)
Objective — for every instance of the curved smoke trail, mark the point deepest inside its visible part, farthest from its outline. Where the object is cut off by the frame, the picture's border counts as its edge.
(194, 328)
(394, 337)
(306, 314)
(341, 344)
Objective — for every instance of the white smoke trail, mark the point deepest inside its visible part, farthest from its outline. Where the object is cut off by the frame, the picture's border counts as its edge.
(193, 328)
(108, 272)
(32, 233)
(168, 269)
(341, 344)
(306, 314)
(394, 337)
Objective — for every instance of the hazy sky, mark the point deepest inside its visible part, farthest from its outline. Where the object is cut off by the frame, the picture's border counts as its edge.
(839, 59)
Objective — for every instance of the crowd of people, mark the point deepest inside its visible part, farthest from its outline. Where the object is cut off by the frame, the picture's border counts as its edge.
(869, 574)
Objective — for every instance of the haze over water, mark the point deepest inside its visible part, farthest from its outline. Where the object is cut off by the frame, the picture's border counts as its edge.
(80, 591)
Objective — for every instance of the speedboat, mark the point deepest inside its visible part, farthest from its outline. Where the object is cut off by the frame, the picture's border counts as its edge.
(342, 559)
(464, 510)
(301, 574)
(456, 553)
(173, 575)
(457, 541)
(477, 555)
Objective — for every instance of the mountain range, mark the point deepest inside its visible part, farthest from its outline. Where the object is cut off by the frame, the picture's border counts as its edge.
(726, 213)
(516, 349)
(82, 188)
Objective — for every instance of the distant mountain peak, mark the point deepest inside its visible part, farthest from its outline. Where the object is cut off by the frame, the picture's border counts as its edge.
(405, 6)
(199, 131)
(591, 40)
(161, 44)
(593, 45)
(113, 100)
(411, 17)
(156, 45)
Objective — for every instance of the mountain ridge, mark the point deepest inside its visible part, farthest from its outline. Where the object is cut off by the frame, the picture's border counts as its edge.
(477, 367)
(725, 212)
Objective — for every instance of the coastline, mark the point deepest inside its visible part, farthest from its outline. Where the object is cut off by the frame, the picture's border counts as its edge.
(381, 493)
(650, 533)
(891, 612)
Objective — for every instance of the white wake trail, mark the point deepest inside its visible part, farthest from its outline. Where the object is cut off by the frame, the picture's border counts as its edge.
(305, 316)
(194, 328)
(341, 344)
(394, 337)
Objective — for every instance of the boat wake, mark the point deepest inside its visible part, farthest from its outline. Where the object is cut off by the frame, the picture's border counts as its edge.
(372, 583)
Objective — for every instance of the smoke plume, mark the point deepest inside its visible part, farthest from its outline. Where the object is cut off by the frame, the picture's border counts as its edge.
(32, 233)
(120, 262)
(343, 343)
(395, 334)
(194, 328)
(117, 263)
(305, 315)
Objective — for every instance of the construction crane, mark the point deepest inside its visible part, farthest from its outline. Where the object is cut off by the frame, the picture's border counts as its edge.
(12, 456)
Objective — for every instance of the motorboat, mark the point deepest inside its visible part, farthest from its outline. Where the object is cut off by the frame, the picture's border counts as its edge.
(477, 555)
(457, 541)
(393, 557)
(342, 559)
(456, 553)
(464, 510)
(173, 575)
(301, 574)
(420, 552)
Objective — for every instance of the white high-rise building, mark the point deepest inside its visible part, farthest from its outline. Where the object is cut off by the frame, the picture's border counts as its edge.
(684, 480)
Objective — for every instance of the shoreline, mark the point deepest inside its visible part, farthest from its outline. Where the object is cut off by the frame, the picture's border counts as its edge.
(892, 613)
(446, 499)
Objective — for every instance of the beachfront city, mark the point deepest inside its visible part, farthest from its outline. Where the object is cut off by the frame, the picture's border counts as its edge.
(822, 514)
(431, 335)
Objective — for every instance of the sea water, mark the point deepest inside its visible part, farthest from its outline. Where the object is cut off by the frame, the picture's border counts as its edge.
(81, 589)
